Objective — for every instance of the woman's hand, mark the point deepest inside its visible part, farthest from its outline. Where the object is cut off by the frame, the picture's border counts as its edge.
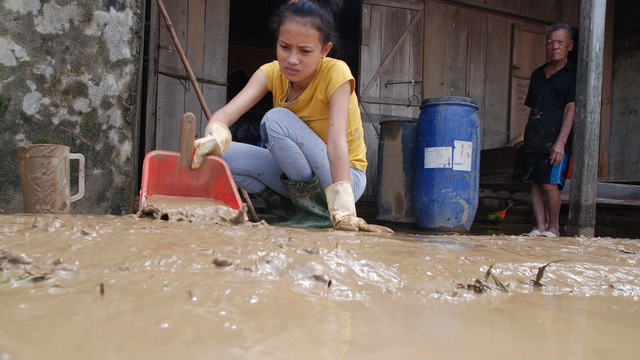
(216, 141)
(342, 208)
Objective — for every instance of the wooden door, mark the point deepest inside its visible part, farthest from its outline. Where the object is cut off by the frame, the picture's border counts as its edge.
(390, 78)
(528, 53)
(202, 27)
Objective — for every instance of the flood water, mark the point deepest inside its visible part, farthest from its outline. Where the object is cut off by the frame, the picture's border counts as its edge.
(123, 287)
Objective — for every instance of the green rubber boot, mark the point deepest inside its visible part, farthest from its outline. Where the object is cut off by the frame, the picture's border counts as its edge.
(276, 204)
(309, 198)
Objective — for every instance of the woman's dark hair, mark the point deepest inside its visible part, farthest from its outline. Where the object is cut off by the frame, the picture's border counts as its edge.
(320, 14)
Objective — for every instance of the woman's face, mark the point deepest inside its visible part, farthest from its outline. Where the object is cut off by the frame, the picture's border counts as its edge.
(299, 51)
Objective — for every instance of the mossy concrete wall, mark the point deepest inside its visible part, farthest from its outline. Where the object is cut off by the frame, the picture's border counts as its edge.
(69, 74)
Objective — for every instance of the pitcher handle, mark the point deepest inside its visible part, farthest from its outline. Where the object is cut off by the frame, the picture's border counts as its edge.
(80, 159)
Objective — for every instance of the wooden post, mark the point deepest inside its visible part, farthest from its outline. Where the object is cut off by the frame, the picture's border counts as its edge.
(584, 178)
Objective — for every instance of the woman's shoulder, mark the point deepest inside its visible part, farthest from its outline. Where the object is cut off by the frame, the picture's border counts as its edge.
(270, 67)
(333, 63)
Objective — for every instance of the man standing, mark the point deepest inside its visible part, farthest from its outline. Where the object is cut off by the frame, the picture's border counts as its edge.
(548, 134)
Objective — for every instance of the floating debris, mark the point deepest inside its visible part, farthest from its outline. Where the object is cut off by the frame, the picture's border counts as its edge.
(12, 257)
(497, 281)
(323, 279)
(540, 273)
(221, 262)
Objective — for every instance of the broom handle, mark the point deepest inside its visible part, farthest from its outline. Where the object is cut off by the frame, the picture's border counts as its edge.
(196, 87)
(187, 67)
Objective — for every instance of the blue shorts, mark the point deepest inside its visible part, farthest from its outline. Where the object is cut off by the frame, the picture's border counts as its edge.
(537, 168)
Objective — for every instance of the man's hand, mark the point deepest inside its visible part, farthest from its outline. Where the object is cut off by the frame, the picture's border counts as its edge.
(216, 140)
(342, 208)
(557, 154)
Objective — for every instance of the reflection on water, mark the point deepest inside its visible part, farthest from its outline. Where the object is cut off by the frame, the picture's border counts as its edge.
(127, 287)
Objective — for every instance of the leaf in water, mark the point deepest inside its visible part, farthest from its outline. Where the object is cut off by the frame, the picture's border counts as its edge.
(486, 275)
(479, 286)
(499, 283)
(41, 277)
(540, 273)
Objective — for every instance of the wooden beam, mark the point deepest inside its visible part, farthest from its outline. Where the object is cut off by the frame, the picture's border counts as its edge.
(500, 10)
(583, 192)
(394, 4)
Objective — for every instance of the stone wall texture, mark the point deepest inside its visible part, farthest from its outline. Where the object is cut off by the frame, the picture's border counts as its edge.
(69, 75)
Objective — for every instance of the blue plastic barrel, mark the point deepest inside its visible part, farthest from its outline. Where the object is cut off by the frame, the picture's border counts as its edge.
(447, 164)
(396, 167)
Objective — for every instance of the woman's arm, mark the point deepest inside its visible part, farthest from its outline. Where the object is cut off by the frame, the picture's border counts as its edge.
(337, 147)
(255, 90)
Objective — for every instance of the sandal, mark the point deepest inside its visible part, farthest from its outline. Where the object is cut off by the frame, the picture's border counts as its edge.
(532, 233)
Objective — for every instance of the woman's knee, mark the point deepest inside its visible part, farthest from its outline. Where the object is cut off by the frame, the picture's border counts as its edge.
(273, 121)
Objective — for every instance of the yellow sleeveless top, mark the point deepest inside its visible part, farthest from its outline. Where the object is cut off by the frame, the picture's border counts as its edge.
(312, 106)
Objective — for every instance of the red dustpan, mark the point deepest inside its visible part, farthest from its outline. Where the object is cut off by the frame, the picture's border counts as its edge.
(168, 174)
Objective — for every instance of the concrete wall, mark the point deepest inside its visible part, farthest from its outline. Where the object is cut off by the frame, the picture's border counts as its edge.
(69, 75)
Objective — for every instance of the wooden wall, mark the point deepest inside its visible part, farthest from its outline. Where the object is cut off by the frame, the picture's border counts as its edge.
(471, 49)
(482, 49)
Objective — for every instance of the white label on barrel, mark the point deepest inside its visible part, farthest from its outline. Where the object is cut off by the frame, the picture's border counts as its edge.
(462, 155)
(437, 157)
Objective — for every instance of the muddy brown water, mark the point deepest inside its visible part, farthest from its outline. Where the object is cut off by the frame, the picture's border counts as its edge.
(124, 287)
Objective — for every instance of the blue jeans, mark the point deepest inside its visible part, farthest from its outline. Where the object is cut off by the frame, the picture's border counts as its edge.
(292, 148)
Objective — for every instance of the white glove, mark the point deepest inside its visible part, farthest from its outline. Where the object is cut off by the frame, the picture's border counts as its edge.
(342, 208)
(216, 141)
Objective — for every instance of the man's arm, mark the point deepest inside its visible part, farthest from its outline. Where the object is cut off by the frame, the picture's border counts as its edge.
(557, 151)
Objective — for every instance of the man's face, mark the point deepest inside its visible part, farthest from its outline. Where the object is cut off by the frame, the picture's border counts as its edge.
(559, 45)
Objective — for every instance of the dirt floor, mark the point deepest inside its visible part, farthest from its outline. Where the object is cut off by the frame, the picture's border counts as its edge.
(124, 287)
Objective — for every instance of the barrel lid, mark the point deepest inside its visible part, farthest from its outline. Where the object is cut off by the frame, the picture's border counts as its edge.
(392, 118)
(449, 100)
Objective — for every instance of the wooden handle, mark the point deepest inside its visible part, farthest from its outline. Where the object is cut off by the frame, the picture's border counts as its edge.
(187, 136)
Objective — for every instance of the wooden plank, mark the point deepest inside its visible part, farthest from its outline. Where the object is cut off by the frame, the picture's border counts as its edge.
(170, 107)
(169, 60)
(416, 58)
(194, 51)
(528, 53)
(389, 54)
(216, 48)
(522, 10)
(389, 60)
(393, 4)
(402, 63)
(388, 101)
(171, 91)
(370, 58)
(456, 51)
(476, 62)
(571, 12)
(496, 104)
(435, 42)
